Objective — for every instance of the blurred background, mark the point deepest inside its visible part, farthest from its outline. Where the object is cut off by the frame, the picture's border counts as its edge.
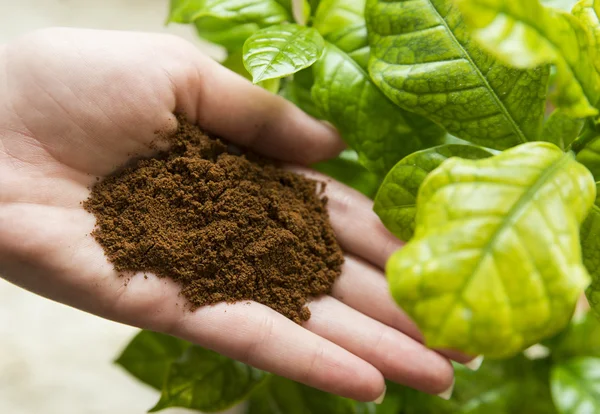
(54, 359)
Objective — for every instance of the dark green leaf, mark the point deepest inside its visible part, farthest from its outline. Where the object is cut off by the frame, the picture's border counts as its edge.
(516, 385)
(396, 200)
(149, 355)
(289, 397)
(423, 59)
(346, 169)
(576, 386)
(561, 129)
(281, 50)
(206, 381)
(378, 131)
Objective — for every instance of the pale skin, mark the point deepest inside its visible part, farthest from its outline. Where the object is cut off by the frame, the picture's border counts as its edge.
(76, 104)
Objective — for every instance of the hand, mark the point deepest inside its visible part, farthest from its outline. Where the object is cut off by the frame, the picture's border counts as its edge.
(74, 104)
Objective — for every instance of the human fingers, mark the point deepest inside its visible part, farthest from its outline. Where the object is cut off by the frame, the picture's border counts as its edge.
(70, 267)
(365, 289)
(357, 227)
(399, 357)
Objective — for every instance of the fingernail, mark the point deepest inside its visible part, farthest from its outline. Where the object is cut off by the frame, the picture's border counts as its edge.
(445, 395)
(379, 399)
(475, 363)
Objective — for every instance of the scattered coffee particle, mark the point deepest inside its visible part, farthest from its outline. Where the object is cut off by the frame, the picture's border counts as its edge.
(227, 225)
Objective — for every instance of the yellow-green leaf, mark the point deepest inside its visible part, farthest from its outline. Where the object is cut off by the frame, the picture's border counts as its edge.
(587, 11)
(495, 263)
(525, 34)
(590, 248)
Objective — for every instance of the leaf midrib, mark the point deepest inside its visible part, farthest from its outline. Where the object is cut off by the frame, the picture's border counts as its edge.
(507, 115)
(280, 51)
(511, 217)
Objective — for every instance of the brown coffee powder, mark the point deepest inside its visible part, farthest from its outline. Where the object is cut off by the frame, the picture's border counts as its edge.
(226, 227)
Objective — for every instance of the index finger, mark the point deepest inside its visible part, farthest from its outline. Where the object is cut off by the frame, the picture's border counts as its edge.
(228, 105)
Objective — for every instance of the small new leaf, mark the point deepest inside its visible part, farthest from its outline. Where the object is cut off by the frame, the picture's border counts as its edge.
(525, 34)
(206, 381)
(282, 50)
(424, 60)
(495, 262)
(576, 386)
(380, 132)
(396, 200)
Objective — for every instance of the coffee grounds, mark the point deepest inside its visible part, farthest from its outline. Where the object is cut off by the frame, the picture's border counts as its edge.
(226, 226)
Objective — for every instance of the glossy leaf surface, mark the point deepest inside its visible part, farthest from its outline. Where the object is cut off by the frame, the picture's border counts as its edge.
(281, 50)
(396, 200)
(525, 34)
(424, 60)
(495, 263)
(381, 133)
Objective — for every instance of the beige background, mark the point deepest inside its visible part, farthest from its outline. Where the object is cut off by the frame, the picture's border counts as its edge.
(54, 359)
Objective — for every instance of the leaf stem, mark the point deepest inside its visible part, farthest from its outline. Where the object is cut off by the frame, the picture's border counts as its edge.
(588, 135)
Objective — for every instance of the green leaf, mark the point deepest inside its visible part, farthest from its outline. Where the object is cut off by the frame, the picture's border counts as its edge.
(288, 397)
(346, 169)
(229, 35)
(525, 34)
(282, 50)
(342, 22)
(589, 155)
(295, 92)
(495, 262)
(587, 12)
(576, 386)
(206, 381)
(235, 63)
(561, 129)
(396, 200)
(381, 133)
(423, 59)
(590, 250)
(581, 338)
(149, 355)
(261, 12)
(517, 385)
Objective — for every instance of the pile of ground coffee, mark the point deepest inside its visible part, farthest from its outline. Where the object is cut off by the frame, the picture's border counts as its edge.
(225, 226)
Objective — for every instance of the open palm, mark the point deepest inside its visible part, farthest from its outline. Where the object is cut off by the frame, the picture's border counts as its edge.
(77, 104)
